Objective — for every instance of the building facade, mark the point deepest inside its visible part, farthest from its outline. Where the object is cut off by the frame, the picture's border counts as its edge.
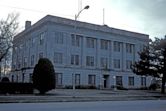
(83, 54)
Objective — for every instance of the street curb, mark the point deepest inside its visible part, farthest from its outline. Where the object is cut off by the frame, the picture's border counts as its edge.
(76, 99)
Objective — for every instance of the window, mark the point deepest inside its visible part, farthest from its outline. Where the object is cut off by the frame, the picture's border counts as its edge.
(41, 55)
(128, 64)
(131, 81)
(77, 79)
(143, 81)
(15, 49)
(41, 42)
(58, 79)
(75, 40)
(117, 63)
(129, 48)
(58, 57)
(32, 60)
(90, 42)
(26, 45)
(117, 46)
(33, 41)
(89, 60)
(19, 63)
(25, 61)
(21, 46)
(58, 37)
(14, 64)
(104, 44)
(92, 80)
(75, 59)
(12, 78)
(119, 81)
(104, 62)
(30, 77)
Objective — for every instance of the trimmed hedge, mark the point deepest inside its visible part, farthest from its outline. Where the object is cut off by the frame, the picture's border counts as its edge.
(80, 87)
(13, 88)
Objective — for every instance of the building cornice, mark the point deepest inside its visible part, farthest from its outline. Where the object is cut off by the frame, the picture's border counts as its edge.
(64, 21)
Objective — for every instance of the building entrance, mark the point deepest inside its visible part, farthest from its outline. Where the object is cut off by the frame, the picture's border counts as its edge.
(106, 81)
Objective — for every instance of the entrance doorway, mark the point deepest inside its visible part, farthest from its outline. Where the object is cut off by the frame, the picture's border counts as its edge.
(106, 81)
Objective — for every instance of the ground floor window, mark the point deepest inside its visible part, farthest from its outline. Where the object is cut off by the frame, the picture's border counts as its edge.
(12, 78)
(77, 79)
(119, 81)
(131, 81)
(143, 81)
(30, 77)
(58, 79)
(92, 80)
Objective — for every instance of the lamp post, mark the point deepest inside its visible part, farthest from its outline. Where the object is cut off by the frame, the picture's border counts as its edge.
(76, 17)
(114, 78)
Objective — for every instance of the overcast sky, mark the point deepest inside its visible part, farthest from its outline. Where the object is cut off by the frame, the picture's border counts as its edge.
(144, 16)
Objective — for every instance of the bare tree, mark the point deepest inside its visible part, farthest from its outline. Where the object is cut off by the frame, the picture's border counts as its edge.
(8, 28)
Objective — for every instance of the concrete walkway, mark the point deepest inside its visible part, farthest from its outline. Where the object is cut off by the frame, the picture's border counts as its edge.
(69, 95)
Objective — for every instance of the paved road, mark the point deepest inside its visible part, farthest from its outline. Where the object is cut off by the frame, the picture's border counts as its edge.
(147, 105)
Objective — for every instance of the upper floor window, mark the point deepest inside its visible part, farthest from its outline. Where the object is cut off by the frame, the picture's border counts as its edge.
(89, 60)
(32, 60)
(58, 58)
(90, 42)
(117, 46)
(75, 40)
(32, 41)
(26, 44)
(75, 59)
(58, 37)
(25, 61)
(104, 44)
(15, 49)
(104, 62)
(41, 55)
(128, 64)
(117, 63)
(19, 63)
(21, 46)
(41, 41)
(129, 48)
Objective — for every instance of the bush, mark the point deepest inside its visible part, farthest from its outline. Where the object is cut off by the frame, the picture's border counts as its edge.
(5, 79)
(119, 87)
(81, 87)
(12, 88)
(85, 87)
(44, 76)
(154, 86)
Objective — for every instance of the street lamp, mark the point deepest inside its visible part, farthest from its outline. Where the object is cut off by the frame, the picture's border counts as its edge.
(76, 17)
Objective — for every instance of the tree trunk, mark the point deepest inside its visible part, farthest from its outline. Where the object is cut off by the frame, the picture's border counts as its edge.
(163, 84)
(164, 73)
(42, 92)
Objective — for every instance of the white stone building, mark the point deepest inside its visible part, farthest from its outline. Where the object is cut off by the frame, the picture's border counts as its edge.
(82, 53)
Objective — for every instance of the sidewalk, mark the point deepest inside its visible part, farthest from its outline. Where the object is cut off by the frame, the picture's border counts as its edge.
(69, 95)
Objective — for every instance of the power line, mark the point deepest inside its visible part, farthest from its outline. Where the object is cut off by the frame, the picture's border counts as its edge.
(33, 10)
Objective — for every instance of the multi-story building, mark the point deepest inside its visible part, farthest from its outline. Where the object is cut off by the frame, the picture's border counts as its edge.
(82, 53)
